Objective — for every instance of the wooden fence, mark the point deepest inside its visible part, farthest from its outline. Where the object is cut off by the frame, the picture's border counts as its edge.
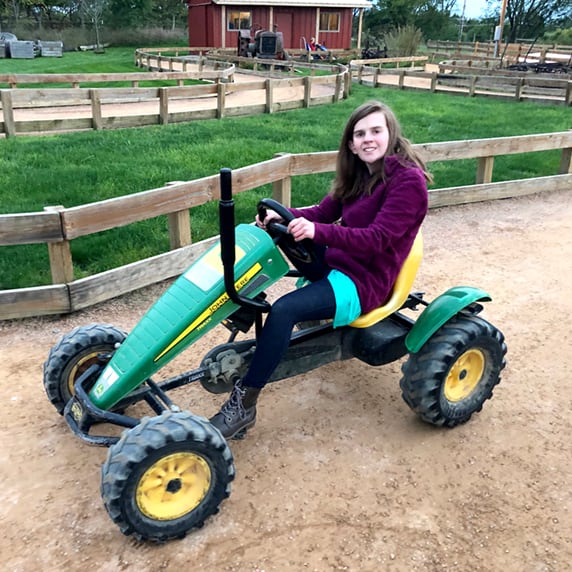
(58, 226)
(86, 108)
(517, 52)
(516, 86)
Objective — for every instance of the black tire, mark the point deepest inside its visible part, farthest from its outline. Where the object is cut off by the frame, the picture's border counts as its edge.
(165, 476)
(455, 372)
(72, 355)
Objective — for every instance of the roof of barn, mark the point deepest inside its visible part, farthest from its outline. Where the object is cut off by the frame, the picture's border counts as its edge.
(299, 3)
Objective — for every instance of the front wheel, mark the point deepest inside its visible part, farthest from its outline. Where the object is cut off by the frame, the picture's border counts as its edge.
(73, 355)
(455, 372)
(165, 476)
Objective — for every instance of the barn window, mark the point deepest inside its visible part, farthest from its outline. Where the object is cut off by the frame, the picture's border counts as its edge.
(329, 22)
(239, 20)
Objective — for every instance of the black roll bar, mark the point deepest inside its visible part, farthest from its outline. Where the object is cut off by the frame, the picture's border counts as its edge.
(228, 243)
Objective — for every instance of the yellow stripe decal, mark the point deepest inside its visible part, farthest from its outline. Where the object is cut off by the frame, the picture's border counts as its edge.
(218, 303)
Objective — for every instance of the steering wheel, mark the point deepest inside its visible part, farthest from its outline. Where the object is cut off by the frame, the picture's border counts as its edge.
(302, 251)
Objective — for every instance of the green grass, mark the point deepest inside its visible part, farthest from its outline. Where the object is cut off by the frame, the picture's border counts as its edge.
(78, 168)
(113, 60)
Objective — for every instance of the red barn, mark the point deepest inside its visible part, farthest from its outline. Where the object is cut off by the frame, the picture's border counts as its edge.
(217, 23)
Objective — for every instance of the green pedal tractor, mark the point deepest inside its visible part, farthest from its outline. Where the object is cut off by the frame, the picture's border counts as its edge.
(169, 471)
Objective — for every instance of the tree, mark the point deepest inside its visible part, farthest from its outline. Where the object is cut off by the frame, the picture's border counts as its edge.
(530, 18)
(94, 10)
(130, 13)
(168, 12)
(430, 16)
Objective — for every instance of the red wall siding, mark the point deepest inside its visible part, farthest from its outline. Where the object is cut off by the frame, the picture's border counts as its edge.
(304, 25)
(343, 38)
(205, 25)
(197, 28)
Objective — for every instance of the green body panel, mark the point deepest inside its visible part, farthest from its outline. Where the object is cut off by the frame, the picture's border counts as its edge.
(441, 310)
(193, 305)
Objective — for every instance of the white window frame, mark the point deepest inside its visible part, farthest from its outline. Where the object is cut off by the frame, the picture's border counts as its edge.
(240, 15)
(328, 14)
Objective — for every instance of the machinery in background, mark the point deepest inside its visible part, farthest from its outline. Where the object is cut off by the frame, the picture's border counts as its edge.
(265, 44)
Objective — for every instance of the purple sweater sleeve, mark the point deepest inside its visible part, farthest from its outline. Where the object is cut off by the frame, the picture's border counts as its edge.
(328, 211)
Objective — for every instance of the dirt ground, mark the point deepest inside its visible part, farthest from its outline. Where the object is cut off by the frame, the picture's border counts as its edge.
(338, 473)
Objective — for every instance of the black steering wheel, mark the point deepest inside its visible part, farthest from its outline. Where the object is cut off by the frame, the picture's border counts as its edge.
(302, 251)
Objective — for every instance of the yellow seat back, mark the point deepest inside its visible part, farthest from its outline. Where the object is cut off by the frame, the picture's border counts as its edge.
(401, 288)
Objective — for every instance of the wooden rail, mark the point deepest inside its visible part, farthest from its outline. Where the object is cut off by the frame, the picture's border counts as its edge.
(57, 226)
(514, 52)
(518, 87)
(28, 110)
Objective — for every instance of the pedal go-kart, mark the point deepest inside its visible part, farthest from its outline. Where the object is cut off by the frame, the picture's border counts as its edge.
(170, 471)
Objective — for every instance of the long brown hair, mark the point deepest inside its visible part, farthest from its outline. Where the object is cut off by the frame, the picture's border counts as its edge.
(352, 175)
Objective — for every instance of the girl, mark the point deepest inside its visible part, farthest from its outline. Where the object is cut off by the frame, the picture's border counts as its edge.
(379, 200)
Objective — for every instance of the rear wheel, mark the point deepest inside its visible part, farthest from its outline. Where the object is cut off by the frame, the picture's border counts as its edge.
(455, 372)
(165, 476)
(73, 355)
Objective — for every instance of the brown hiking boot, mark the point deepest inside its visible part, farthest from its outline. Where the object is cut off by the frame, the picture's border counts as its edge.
(238, 412)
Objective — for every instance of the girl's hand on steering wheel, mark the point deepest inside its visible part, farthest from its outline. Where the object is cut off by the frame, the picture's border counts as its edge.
(301, 228)
(270, 216)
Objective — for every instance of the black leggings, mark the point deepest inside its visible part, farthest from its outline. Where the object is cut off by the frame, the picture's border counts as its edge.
(315, 301)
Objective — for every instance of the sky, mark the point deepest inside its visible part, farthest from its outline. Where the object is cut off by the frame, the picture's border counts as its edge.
(473, 8)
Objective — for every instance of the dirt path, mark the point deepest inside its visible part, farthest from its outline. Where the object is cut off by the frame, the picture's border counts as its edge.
(338, 474)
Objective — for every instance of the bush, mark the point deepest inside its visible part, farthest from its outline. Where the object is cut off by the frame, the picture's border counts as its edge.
(74, 37)
(562, 37)
(404, 41)
(146, 37)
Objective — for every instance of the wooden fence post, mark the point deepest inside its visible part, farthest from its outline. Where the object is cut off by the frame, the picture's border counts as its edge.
(473, 85)
(518, 89)
(338, 88)
(433, 82)
(485, 170)
(568, 96)
(179, 229)
(282, 188)
(566, 161)
(220, 100)
(347, 83)
(269, 95)
(96, 118)
(163, 105)
(61, 263)
(307, 90)
(401, 78)
(8, 111)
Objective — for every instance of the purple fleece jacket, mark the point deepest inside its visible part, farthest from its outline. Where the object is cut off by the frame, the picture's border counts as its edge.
(376, 231)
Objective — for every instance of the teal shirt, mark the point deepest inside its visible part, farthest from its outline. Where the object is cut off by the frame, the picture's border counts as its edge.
(348, 306)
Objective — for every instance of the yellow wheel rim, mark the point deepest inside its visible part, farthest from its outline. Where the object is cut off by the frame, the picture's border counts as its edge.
(465, 375)
(173, 486)
(79, 367)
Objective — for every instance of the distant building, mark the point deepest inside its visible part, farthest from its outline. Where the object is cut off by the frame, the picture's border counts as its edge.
(217, 23)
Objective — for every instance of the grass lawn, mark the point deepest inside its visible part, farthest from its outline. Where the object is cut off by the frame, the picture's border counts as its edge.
(113, 60)
(78, 168)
